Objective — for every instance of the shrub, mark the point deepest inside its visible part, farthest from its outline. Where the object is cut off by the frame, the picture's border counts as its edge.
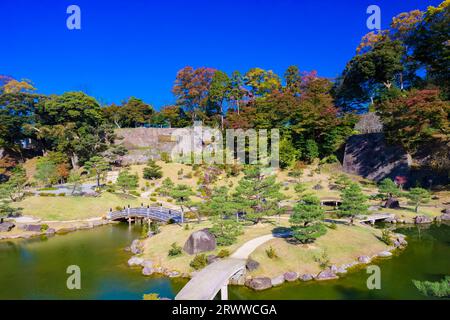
(153, 199)
(62, 194)
(154, 227)
(186, 226)
(165, 157)
(170, 200)
(189, 175)
(286, 188)
(135, 193)
(44, 227)
(200, 261)
(386, 237)
(142, 188)
(330, 159)
(439, 289)
(223, 253)
(118, 208)
(271, 253)
(175, 250)
(322, 259)
(332, 226)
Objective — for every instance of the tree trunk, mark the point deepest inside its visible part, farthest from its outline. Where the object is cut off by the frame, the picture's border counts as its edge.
(74, 161)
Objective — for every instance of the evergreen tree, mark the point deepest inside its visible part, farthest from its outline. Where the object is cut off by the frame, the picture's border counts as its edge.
(418, 196)
(388, 188)
(181, 194)
(97, 166)
(258, 194)
(306, 221)
(166, 186)
(152, 171)
(127, 181)
(354, 202)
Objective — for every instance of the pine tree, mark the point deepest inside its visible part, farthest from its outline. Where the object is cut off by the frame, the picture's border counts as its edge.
(418, 196)
(223, 209)
(306, 221)
(127, 181)
(181, 194)
(258, 194)
(152, 171)
(388, 188)
(97, 166)
(166, 186)
(354, 202)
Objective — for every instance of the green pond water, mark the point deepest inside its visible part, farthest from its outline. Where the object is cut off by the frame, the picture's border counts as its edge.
(36, 269)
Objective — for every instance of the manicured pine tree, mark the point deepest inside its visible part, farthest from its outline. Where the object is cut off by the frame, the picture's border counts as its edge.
(181, 193)
(258, 194)
(166, 186)
(226, 228)
(127, 181)
(418, 196)
(152, 171)
(306, 221)
(388, 188)
(97, 166)
(354, 201)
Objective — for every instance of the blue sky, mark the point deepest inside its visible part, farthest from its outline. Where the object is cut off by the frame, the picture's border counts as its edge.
(135, 47)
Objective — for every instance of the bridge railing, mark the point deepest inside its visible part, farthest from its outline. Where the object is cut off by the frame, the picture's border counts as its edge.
(150, 212)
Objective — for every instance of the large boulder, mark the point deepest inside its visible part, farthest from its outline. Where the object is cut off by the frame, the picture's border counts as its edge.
(422, 219)
(261, 283)
(392, 203)
(200, 241)
(290, 276)
(445, 216)
(6, 226)
(252, 265)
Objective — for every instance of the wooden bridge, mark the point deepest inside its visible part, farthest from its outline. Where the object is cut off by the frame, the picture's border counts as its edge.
(153, 213)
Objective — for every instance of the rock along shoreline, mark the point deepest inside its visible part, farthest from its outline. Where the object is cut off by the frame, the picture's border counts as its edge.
(148, 268)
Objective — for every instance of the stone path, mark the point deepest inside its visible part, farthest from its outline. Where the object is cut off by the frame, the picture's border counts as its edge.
(207, 283)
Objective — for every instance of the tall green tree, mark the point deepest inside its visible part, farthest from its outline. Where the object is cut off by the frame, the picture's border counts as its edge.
(14, 187)
(354, 201)
(98, 167)
(127, 181)
(152, 171)
(182, 193)
(418, 196)
(306, 220)
(258, 194)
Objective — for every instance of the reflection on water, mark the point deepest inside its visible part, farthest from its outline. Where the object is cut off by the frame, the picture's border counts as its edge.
(36, 269)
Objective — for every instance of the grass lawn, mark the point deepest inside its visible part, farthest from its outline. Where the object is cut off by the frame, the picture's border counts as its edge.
(343, 245)
(157, 247)
(73, 208)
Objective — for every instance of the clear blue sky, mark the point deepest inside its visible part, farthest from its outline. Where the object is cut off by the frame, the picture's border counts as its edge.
(135, 47)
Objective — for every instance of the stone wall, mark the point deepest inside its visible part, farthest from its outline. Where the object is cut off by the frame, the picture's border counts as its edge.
(369, 155)
(145, 143)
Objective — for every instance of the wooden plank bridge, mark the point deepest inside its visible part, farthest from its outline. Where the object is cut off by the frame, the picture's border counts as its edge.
(153, 213)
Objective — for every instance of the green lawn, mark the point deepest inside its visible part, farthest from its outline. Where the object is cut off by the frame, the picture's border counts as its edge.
(343, 245)
(157, 247)
(73, 208)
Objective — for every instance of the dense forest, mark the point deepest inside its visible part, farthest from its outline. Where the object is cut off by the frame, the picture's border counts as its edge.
(401, 74)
